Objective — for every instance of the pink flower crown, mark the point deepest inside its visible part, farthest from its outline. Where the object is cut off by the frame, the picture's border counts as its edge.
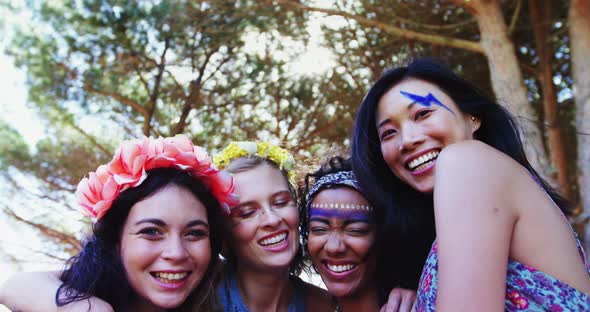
(129, 168)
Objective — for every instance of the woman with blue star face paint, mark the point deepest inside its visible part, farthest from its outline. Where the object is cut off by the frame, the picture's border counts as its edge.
(339, 230)
(448, 166)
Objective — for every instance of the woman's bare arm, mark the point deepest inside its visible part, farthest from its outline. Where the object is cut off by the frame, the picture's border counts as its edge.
(35, 291)
(474, 222)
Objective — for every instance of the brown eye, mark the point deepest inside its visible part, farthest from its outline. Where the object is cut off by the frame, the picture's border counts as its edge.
(387, 133)
(423, 114)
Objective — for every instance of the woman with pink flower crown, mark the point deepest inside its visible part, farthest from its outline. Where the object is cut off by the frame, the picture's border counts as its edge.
(156, 216)
(260, 238)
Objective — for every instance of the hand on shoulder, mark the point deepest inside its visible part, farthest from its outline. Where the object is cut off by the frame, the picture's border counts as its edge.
(400, 300)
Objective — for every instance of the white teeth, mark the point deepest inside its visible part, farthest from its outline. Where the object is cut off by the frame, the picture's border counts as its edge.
(273, 240)
(340, 268)
(170, 277)
(421, 162)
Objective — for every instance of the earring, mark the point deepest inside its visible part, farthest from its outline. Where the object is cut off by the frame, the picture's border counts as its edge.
(473, 118)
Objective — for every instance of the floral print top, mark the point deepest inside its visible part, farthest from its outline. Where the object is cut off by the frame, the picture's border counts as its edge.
(527, 289)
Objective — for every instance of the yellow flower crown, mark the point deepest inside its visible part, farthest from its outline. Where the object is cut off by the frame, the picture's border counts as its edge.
(265, 150)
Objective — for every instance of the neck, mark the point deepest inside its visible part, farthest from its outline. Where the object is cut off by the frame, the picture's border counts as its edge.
(264, 290)
(365, 300)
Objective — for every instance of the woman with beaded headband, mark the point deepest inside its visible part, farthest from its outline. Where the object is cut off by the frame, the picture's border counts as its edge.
(156, 211)
(342, 236)
(444, 159)
(262, 236)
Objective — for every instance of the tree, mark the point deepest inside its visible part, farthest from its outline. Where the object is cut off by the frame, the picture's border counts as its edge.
(494, 43)
(103, 71)
(399, 29)
(579, 23)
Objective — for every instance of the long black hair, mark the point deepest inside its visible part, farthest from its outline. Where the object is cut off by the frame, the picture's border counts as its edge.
(98, 269)
(409, 212)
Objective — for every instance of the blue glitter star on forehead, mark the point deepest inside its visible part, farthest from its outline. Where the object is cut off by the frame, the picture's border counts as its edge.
(425, 100)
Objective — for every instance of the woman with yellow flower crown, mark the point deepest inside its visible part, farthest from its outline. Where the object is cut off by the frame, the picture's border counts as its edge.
(261, 244)
(262, 250)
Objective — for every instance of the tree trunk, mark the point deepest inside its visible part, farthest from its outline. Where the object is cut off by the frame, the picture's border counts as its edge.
(506, 76)
(541, 17)
(579, 24)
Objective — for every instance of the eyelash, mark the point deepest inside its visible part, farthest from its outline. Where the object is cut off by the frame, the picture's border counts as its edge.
(198, 233)
(150, 231)
(423, 113)
(154, 233)
(385, 134)
(317, 230)
(359, 232)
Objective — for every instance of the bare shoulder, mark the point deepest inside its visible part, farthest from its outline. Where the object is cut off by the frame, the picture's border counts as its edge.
(317, 299)
(474, 161)
(473, 152)
(472, 171)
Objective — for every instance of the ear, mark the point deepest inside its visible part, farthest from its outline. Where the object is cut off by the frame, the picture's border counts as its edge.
(475, 123)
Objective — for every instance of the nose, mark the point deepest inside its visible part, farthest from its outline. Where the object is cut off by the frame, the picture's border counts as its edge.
(269, 217)
(174, 250)
(335, 244)
(411, 137)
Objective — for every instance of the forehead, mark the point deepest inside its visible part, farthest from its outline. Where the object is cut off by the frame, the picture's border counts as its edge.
(260, 181)
(171, 203)
(394, 102)
(340, 195)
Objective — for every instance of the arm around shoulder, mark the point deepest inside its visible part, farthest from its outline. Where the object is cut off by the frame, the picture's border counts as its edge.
(35, 291)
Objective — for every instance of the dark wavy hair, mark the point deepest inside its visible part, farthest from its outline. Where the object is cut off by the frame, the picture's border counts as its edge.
(386, 275)
(98, 269)
(243, 164)
(409, 213)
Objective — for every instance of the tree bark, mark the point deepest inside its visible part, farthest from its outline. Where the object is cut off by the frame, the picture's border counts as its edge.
(507, 80)
(400, 32)
(495, 44)
(579, 24)
(541, 17)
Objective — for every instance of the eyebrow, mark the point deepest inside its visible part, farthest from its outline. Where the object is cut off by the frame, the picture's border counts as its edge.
(346, 222)
(160, 222)
(280, 193)
(272, 197)
(153, 221)
(383, 122)
(197, 223)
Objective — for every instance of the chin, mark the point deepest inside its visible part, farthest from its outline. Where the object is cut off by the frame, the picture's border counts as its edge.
(341, 291)
(170, 302)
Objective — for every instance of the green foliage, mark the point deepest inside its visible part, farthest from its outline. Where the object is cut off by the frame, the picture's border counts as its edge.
(14, 151)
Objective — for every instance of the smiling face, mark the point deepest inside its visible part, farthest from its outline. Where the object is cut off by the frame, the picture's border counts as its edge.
(340, 241)
(264, 225)
(165, 246)
(415, 120)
